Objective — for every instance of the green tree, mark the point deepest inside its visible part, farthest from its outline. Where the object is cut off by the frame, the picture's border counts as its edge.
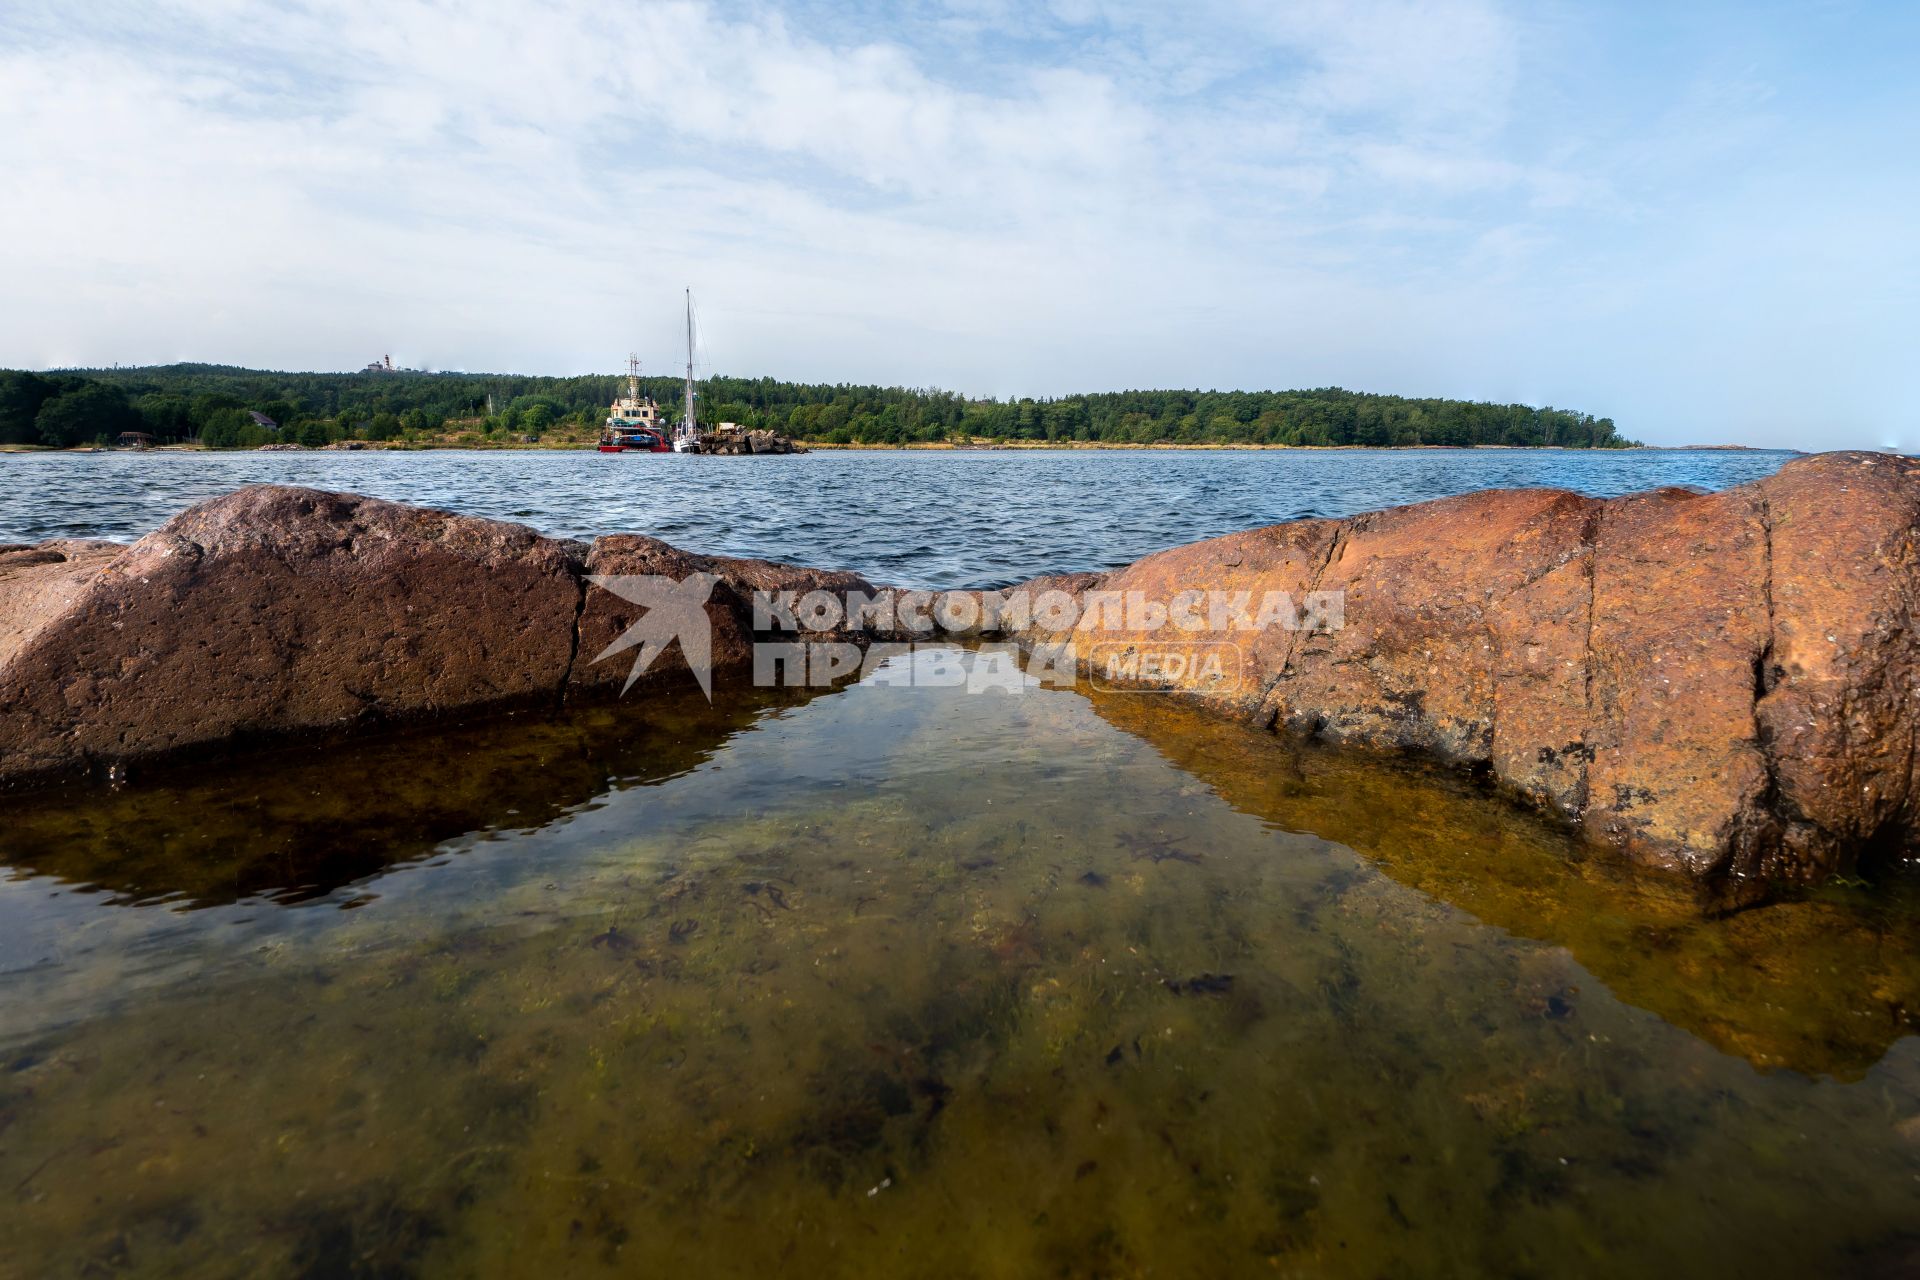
(85, 413)
(312, 432)
(166, 415)
(22, 395)
(226, 428)
(208, 403)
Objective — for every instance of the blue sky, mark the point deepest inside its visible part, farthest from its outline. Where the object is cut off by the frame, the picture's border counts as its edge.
(1697, 219)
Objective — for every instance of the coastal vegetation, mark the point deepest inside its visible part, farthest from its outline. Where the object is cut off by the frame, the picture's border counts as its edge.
(223, 406)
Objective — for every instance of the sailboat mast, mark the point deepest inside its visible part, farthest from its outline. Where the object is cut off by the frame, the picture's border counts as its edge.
(691, 426)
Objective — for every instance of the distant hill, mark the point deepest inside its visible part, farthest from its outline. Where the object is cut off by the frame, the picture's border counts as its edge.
(216, 402)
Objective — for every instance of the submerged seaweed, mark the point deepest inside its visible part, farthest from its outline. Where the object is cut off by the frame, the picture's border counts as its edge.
(840, 988)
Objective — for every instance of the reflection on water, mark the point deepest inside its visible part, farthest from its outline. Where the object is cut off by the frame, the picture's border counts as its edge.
(1821, 985)
(310, 820)
(908, 981)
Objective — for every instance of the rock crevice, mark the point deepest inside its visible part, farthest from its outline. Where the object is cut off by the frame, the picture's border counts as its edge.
(1336, 538)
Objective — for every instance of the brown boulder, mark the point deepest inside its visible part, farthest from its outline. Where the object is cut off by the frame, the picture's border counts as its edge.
(728, 606)
(1721, 684)
(1675, 772)
(1112, 634)
(1840, 675)
(276, 609)
(606, 615)
(37, 581)
(1426, 589)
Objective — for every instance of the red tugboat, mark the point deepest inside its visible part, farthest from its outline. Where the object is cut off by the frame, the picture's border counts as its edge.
(635, 424)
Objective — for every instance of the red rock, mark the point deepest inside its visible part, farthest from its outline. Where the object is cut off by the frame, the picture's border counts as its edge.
(37, 581)
(607, 615)
(1427, 620)
(1720, 684)
(277, 609)
(774, 578)
(280, 610)
(1679, 619)
(1841, 706)
(1287, 558)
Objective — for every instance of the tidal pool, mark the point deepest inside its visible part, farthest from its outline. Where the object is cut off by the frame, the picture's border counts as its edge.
(919, 982)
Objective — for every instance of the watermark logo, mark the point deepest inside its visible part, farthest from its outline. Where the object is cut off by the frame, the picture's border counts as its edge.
(676, 609)
(1125, 640)
(1130, 667)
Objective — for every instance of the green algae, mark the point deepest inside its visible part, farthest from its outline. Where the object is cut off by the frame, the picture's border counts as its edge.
(917, 982)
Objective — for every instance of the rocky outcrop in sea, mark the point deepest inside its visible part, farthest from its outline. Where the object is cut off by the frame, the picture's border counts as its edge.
(1721, 685)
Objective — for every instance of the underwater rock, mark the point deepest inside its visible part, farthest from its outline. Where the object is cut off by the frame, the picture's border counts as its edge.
(1720, 684)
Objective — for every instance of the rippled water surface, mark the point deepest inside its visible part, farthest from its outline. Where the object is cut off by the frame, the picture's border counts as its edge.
(911, 518)
(918, 982)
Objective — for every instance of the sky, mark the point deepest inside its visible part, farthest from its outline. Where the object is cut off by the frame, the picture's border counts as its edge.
(1697, 219)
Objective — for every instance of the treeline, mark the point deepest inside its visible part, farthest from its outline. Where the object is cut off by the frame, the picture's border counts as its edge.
(1325, 416)
(205, 403)
(61, 409)
(215, 404)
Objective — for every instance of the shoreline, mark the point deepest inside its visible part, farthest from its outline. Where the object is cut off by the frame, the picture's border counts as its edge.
(941, 446)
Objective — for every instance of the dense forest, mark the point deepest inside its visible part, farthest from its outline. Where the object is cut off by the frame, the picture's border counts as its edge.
(220, 406)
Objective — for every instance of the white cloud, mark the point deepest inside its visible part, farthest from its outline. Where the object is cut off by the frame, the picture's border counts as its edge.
(1003, 197)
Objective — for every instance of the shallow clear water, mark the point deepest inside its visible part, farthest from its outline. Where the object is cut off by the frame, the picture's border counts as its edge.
(908, 518)
(912, 981)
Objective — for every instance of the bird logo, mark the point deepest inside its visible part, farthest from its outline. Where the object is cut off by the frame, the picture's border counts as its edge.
(676, 609)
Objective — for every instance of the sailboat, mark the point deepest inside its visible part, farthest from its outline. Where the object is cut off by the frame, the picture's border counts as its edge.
(686, 437)
(636, 425)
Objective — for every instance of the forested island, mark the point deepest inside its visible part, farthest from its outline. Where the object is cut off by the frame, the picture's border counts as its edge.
(221, 406)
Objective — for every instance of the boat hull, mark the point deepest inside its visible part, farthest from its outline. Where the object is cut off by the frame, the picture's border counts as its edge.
(634, 442)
